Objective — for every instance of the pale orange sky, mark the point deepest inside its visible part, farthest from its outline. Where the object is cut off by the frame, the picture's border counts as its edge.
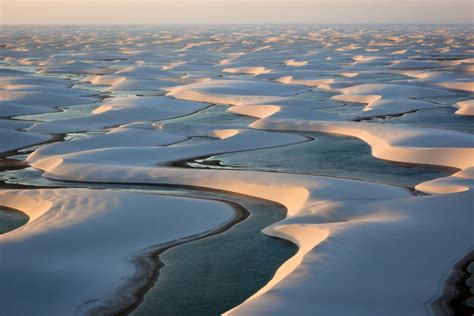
(234, 11)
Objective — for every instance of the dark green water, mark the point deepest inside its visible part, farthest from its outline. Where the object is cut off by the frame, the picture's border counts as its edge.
(329, 155)
(11, 219)
(212, 275)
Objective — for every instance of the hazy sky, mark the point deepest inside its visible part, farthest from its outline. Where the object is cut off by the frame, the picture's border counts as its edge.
(235, 11)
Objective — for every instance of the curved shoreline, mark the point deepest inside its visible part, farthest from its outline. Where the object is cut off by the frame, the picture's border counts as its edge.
(185, 164)
(15, 212)
(126, 311)
(133, 184)
(130, 294)
(455, 290)
(380, 146)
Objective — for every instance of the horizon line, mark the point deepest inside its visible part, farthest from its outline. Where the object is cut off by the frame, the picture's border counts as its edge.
(242, 23)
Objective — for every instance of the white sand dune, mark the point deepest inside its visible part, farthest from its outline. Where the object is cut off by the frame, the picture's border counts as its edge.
(404, 144)
(294, 63)
(393, 91)
(360, 255)
(461, 181)
(294, 195)
(394, 142)
(73, 256)
(364, 59)
(387, 99)
(453, 80)
(364, 248)
(349, 74)
(465, 107)
(259, 106)
(463, 86)
(21, 93)
(232, 92)
(14, 102)
(118, 137)
(417, 64)
(248, 70)
(304, 82)
(13, 139)
(140, 79)
(397, 106)
(231, 140)
(74, 67)
(107, 80)
(118, 111)
(307, 202)
(357, 98)
(259, 111)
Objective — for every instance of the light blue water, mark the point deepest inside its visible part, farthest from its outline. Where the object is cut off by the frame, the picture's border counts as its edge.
(328, 155)
(64, 113)
(214, 115)
(441, 118)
